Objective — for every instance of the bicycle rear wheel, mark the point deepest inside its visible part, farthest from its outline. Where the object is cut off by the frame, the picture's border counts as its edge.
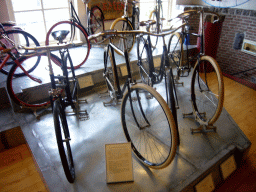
(96, 23)
(149, 125)
(26, 92)
(63, 140)
(207, 90)
(20, 38)
(77, 34)
(175, 51)
(122, 24)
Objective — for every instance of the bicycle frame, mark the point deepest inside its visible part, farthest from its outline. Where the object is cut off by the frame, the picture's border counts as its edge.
(133, 13)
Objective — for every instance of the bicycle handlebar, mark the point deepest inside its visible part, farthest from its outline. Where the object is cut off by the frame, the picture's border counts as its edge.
(113, 33)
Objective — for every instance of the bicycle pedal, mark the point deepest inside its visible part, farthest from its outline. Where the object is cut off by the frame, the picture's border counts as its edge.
(204, 129)
(82, 101)
(112, 102)
(83, 115)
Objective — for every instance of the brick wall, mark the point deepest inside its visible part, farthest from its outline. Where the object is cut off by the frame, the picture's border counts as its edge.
(236, 21)
(231, 60)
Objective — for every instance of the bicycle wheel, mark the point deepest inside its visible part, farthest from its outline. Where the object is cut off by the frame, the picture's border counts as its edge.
(207, 90)
(170, 95)
(26, 92)
(175, 51)
(122, 24)
(96, 23)
(149, 125)
(77, 34)
(63, 140)
(20, 38)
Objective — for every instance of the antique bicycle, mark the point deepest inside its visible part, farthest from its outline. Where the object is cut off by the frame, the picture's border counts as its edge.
(156, 15)
(9, 39)
(146, 118)
(125, 23)
(207, 87)
(181, 56)
(78, 33)
(63, 93)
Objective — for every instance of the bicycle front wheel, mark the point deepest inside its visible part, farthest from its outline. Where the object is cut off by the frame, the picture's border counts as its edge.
(20, 38)
(149, 125)
(207, 90)
(122, 24)
(63, 140)
(26, 92)
(77, 34)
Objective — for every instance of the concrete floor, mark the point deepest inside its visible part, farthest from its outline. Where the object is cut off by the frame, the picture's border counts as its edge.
(198, 155)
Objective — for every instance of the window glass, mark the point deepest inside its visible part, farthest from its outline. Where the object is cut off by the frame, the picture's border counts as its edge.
(49, 4)
(21, 5)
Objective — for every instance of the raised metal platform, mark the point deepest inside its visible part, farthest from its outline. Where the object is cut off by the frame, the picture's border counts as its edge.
(202, 160)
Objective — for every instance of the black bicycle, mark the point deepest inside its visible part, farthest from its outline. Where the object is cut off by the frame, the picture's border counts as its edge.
(64, 93)
(126, 23)
(207, 87)
(146, 118)
(78, 33)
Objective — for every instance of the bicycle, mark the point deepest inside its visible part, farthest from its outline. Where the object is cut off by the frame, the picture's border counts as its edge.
(9, 39)
(203, 97)
(146, 118)
(181, 57)
(78, 33)
(64, 93)
(156, 15)
(124, 23)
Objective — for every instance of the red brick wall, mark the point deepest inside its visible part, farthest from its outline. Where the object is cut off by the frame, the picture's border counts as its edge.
(236, 21)
(231, 60)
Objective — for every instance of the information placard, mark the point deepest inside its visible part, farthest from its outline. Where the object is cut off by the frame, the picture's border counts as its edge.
(118, 162)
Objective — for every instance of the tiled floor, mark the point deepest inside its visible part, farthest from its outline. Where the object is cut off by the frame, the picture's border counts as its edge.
(195, 156)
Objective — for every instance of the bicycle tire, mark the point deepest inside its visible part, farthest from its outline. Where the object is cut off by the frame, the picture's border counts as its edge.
(109, 74)
(143, 60)
(96, 22)
(26, 39)
(163, 134)
(63, 141)
(207, 90)
(122, 24)
(80, 53)
(170, 92)
(20, 91)
(175, 52)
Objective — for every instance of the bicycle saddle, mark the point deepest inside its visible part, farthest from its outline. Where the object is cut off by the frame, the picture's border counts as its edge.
(60, 35)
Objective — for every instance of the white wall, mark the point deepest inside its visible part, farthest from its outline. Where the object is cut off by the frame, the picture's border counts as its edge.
(251, 5)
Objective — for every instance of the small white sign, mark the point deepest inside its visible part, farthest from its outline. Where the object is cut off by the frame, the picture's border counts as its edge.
(85, 81)
(206, 185)
(124, 70)
(119, 162)
(228, 167)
